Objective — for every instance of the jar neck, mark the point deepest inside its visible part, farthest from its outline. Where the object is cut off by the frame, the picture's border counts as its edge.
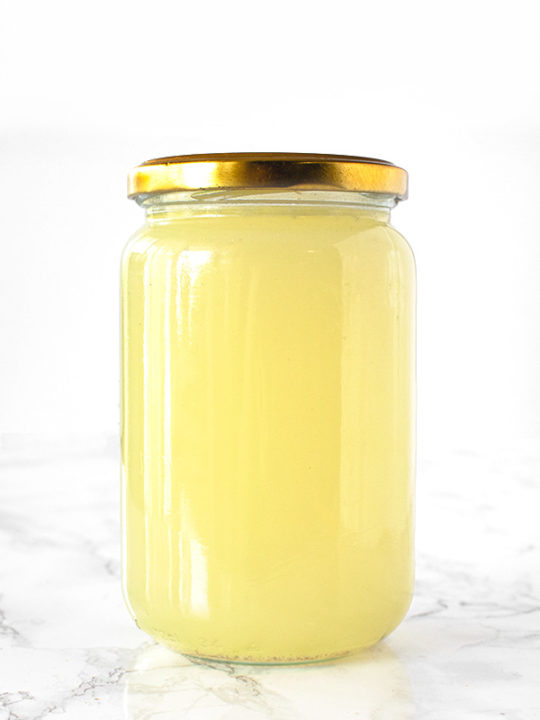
(171, 205)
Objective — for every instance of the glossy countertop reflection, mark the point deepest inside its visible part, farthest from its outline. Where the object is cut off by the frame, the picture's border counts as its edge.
(468, 649)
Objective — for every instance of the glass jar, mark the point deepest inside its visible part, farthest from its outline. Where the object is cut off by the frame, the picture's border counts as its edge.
(268, 406)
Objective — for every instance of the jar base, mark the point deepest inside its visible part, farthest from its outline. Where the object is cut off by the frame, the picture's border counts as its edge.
(268, 661)
(245, 659)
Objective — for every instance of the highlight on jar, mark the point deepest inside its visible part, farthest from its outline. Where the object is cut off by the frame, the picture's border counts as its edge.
(268, 406)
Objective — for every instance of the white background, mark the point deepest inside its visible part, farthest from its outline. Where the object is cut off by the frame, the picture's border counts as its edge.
(450, 91)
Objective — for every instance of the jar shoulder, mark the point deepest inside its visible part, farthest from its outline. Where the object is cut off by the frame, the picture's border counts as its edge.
(281, 238)
(403, 246)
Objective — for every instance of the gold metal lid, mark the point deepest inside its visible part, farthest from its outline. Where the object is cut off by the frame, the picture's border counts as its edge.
(300, 171)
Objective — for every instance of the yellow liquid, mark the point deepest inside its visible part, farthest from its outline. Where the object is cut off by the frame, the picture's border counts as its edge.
(268, 421)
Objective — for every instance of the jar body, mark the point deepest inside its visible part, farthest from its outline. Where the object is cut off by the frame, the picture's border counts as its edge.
(268, 429)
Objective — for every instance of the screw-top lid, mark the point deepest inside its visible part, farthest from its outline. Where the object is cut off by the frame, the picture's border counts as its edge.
(300, 171)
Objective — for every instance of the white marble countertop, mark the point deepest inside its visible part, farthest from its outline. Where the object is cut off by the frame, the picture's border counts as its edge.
(469, 648)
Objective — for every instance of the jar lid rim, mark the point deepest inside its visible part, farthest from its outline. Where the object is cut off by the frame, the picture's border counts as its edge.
(300, 171)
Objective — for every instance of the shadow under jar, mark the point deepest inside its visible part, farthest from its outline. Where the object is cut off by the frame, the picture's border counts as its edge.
(268, 320)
